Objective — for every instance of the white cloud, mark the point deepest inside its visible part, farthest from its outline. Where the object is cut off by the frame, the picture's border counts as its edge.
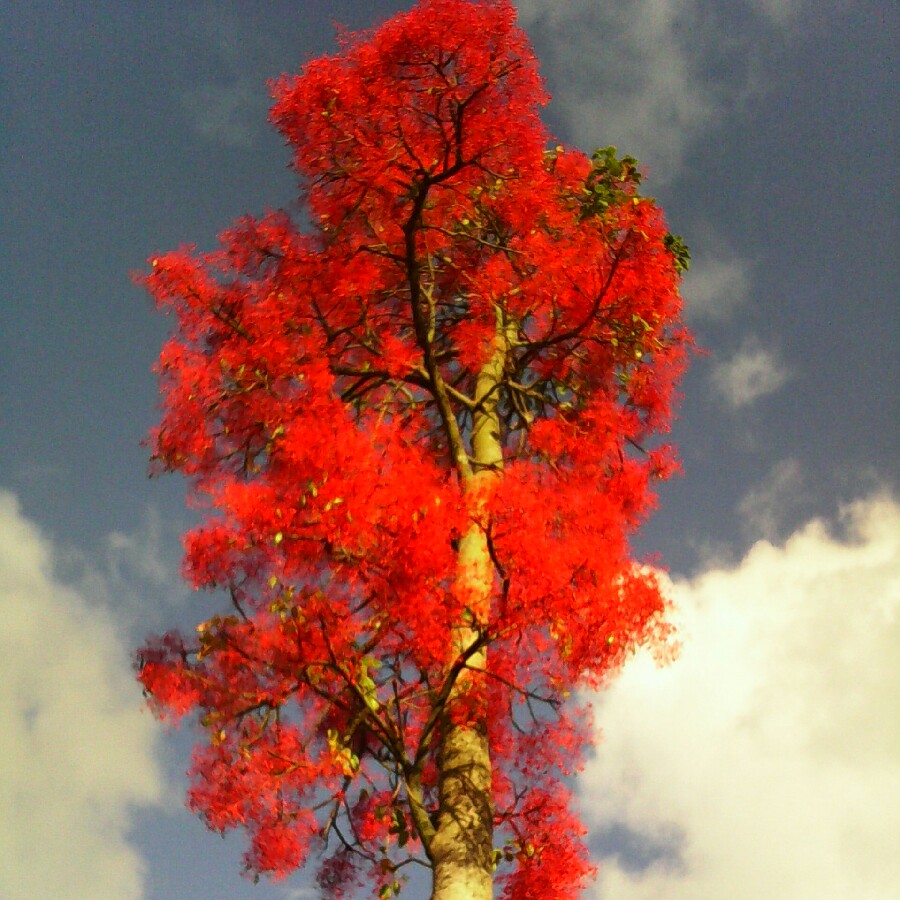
(626, 75)
(229, 108)
(136, 572)
(779, 12)
(716, 286)
(753, 372)
(651, 76)
(226, 113)
(764, 762)
(139, 554)
(763, 509)
(77, 755)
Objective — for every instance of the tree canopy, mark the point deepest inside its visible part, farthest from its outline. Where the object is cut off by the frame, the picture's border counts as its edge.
(421, 418)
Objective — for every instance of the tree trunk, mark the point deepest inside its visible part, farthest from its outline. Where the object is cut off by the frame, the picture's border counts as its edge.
(462, 847)
(463, 842)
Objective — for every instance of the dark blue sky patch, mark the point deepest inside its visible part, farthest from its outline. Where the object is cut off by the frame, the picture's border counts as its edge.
(634, 851)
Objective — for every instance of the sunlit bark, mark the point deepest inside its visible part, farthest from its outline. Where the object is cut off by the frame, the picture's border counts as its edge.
(462, 848)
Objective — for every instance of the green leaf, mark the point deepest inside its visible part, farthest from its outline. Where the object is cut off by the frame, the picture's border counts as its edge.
(679, 250)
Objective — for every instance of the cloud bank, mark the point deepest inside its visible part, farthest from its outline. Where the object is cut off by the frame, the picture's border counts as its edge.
(76, 753)
(764, 762)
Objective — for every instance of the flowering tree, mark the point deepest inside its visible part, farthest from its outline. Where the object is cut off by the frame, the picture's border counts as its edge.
(420, 427)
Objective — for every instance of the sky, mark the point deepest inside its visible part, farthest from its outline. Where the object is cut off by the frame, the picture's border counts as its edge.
(761, 763)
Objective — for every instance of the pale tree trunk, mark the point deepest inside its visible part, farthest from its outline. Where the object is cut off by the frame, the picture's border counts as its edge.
(462, 846)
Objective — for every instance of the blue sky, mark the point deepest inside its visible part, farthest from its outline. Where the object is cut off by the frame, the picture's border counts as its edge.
(761, 763)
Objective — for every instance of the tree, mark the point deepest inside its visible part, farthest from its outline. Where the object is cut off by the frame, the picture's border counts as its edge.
(421, 425)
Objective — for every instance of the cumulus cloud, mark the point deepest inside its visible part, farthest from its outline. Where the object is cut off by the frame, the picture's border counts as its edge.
(763, 763)
(77, 756)
(751, 373)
